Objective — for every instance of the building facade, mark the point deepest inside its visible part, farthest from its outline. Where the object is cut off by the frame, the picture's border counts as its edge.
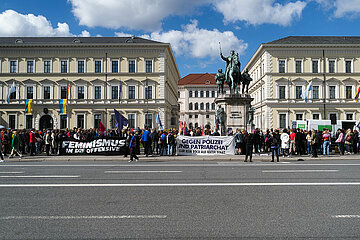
(138, 77)
(197, 93)
(283, 69)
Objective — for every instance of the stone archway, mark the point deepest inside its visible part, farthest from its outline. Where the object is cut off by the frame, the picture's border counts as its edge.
(46, 122)
(50, 114)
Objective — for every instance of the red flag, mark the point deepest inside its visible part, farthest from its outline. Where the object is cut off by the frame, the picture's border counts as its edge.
(67, 94)
(203, 131)
(102, 127)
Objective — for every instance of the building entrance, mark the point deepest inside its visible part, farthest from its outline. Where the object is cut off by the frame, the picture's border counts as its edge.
(46, 122)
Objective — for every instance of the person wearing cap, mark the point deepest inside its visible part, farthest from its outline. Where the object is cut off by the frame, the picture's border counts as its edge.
(15, 145)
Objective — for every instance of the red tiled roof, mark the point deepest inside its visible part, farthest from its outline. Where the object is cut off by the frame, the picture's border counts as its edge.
(198, 79)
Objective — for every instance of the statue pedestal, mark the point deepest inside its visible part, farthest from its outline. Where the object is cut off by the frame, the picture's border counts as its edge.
(236, 110)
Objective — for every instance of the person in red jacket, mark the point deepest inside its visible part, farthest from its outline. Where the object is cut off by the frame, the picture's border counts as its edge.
(32, 142)
(292, 141)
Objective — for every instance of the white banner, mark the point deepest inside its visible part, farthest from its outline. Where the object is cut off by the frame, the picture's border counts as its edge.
(205, 145)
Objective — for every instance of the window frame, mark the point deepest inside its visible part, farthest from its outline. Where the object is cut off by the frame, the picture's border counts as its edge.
(16, 67)
(33, 66)
(101, 92)
(135, 65)
(101, 65)
(152, 65)
(50, 65)
(77, 65)
(285, 65)
(351, 65)
(67, 65)
(118, 65)
(335, 65)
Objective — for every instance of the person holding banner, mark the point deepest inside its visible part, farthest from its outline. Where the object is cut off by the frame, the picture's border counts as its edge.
(132, 147)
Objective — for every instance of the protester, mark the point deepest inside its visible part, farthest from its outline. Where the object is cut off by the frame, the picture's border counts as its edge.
(15, 145)
(146, 140)
(133, 147)
(285, 143)
(275, 142)
(249, 142)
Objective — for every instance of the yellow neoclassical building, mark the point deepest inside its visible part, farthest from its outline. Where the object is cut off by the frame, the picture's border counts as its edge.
(283, 69)
(138, 77)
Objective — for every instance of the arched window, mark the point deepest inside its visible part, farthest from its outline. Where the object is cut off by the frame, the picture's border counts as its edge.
(190, 94)
(196, 106)
(207, 106)
(207, 93)
(190, 106)
(196, 94)
(201, 106)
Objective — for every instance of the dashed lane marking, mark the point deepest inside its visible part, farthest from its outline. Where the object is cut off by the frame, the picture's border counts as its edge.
(82, 217)
(297, 171)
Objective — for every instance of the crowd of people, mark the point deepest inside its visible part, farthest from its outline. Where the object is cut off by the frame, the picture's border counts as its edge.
(155, 142)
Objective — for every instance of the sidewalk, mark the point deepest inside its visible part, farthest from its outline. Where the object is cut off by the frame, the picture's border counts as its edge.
(236, 158)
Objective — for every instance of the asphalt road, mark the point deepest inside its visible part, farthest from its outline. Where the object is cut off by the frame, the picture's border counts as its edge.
(87, 200)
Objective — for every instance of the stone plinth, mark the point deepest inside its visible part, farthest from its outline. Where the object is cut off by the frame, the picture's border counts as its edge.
(236, 108)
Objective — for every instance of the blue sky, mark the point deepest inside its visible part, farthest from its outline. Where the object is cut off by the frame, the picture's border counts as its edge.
(193, 27)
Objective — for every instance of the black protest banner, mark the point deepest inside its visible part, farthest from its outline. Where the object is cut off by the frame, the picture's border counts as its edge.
(101, 146)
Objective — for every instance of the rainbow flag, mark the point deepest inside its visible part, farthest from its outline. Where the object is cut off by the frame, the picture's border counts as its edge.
(63, 104)
(357, 95)
(28, 106)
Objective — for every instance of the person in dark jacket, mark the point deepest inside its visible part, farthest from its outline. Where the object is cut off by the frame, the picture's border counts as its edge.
(249, 142)
(133, 147)
(155, 142)
(274, 145)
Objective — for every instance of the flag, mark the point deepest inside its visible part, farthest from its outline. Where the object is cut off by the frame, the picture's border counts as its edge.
(28, 105)
(306, 93)
(102, 127)
(119, 92)
(63, 104)
(358, 125)
(120, 120)
(180, 127)
(203, 131)
(11, 90)
(357, 95)
(185, 129)
(158, 121)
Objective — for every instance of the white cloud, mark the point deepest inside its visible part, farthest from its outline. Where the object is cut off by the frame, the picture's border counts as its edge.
(85, 34)
(13, 23)
(135, 14)
(196, 42)
(346, 7)
(260, 11)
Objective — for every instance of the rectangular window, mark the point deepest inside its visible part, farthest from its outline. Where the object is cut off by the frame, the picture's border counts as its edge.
(299, 116)
(207, 106)
(196, 116)
(98, 66)
(207, 93)
(47, 66)
(190, 94)
(282, 120)
(201, 106)
(97, 92)
(12, 121)
(149, 68)
(349, 116)
(64, 66)
(315, 92)
(114, 66)
(348, 66)
(281, 92)
(332, 92)
(114, 92)
(131, 92)
(97, 119)
(81, 92)
(13, 66)
(213, 106)
(190, 116)
(348, 90)
(81, 121)
(298, 90)
(196, 94)
(131, 119)
(316, 116)
(315, 66)
(298, 66)
(148, 120)
(63, 92)
(63, 121)
(112, 121)
(213, 94)
(131, 66)
(46, 92)
(202, 94)
(29, 122)
(30, 66)
(13, 94)
(281, 66)
(331, 66)
(207, 116)
(30, 92)
(148, 92)
(81, 66)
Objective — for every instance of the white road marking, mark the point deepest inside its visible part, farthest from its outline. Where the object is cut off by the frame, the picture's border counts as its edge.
(233, 164)
(81, 217)
(143, 172)
(44, 176)
(11, 172)
(181, 184)
(345, 216)
(297, 171)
